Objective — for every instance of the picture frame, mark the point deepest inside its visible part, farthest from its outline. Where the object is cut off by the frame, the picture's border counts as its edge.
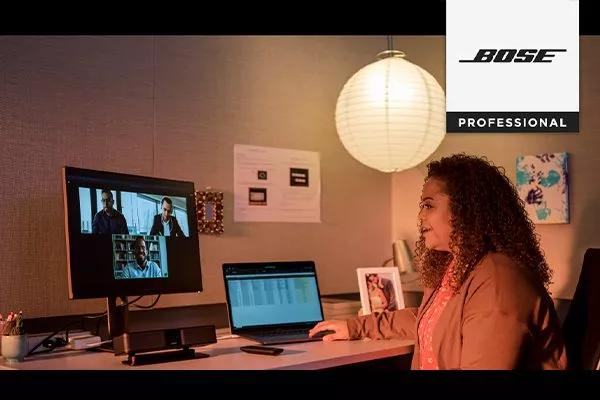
(380, 289)
(209, 208)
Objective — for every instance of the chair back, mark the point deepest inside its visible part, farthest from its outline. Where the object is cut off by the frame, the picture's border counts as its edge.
(581, 328)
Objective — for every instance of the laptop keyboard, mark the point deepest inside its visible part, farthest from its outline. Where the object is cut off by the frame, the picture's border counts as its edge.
(286, 332)
(284, 336)
(293, 333)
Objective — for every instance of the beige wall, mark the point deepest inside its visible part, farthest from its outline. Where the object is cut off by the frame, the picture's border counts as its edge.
(563, 244)
(97, 102)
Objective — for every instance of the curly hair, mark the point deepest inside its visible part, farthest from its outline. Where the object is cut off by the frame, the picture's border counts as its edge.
(487, 215)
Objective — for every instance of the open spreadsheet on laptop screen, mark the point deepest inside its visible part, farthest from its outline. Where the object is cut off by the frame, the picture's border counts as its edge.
(272, 294)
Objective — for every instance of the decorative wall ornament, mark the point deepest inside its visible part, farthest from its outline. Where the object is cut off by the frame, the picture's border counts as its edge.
(209, 206)
(542, 182)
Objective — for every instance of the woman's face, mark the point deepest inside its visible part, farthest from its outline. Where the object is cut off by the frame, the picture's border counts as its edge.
(434, 216)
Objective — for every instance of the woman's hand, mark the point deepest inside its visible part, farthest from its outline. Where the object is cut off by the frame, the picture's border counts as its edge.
(339, 328)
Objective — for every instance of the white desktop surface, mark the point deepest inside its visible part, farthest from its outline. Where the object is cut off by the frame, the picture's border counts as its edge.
(226, 355)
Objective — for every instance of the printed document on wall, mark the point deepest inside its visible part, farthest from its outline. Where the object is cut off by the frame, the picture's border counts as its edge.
(276, 185)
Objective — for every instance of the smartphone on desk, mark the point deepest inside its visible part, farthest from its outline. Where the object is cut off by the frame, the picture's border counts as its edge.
(270, 351)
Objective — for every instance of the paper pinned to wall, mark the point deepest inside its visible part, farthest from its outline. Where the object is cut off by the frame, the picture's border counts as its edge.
(276, 185)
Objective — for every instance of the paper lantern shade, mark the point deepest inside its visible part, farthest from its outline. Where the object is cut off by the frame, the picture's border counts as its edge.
(391, 115)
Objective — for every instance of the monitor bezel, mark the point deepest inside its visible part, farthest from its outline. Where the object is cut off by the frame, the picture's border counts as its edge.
(74, 177)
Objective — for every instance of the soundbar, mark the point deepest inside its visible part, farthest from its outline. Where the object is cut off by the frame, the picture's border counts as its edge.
(135, 344)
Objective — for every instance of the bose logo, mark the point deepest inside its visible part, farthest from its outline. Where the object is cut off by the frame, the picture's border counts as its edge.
(512, 55)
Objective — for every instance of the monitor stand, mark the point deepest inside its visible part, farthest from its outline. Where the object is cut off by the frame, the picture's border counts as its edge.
(117, 315)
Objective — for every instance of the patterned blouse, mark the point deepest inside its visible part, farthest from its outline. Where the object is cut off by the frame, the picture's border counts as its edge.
(430, 319)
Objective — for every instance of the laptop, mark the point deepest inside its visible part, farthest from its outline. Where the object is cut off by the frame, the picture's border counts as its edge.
(273, 302)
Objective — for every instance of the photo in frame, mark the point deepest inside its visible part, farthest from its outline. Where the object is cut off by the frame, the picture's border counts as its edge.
(380, 289)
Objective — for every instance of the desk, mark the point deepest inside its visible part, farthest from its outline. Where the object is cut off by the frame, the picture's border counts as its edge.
(226, 355)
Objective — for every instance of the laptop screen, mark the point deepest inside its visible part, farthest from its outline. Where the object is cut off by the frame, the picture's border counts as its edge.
(272, 294)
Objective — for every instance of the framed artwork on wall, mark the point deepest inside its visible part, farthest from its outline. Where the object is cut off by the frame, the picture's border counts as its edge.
(543, 184)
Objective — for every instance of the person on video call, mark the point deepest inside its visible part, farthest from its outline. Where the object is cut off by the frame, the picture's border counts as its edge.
(165, 223)
(109, 220)
(141, 267)
(486, 303)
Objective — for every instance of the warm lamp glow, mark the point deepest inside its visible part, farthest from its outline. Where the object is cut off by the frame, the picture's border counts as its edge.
(391, 115)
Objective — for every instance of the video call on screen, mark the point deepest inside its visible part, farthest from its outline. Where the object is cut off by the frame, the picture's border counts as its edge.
(130, 235)
(138, 223)
(138, 210)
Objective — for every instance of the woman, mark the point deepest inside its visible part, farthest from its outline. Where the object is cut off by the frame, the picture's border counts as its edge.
(486, 303)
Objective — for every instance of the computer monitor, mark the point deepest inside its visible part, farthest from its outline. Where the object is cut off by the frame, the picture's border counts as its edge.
(129, 235)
